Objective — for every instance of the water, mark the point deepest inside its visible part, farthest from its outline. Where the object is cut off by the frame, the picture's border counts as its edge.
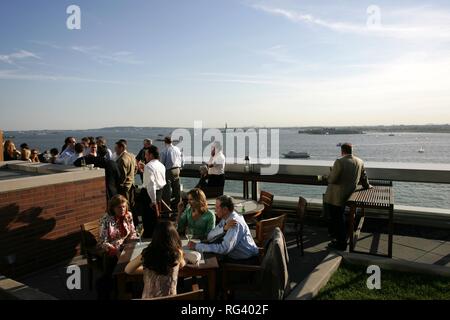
(371, 147)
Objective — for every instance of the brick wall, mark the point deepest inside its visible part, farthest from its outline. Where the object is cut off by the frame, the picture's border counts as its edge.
(41, 226)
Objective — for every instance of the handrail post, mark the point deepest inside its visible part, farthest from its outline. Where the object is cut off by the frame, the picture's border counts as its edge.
(255, 187)
(1, 145)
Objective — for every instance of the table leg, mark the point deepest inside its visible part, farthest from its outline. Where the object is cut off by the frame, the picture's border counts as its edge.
(212, 284)
(359, 227)
(391, 231)
(121, 286)
(351, 224)
(245, 189)
(254, 190)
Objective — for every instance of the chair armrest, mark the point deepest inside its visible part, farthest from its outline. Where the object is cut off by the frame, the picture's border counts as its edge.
(195, 287)
(240, 267)
(165, 207)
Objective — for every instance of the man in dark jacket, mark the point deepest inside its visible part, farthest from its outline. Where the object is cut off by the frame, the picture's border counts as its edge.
(112, 174)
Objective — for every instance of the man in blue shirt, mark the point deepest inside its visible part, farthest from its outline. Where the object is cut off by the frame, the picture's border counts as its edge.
(172, 159)
(237, 243)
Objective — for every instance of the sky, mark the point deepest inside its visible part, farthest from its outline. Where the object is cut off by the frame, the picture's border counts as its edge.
(165, 63)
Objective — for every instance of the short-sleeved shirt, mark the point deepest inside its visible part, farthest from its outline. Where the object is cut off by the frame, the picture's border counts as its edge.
(218, 162)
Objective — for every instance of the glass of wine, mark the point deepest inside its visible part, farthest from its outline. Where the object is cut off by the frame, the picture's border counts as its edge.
(83, 163)
(189, 234)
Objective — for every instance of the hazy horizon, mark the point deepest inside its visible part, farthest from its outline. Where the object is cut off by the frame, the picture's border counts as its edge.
(248, 63)
(231, 127)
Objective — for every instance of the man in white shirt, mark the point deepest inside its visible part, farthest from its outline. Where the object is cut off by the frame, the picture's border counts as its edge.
(79, 153)
(172, 159)
(216, 166)
(151, 192)
(68, 157)
(68, 151)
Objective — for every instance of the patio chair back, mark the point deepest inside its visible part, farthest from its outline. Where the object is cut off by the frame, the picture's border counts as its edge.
(265, 228)
(89, 239)
(274, 275)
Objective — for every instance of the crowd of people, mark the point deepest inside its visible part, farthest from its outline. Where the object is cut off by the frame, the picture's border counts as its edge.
(159, 172)
(121, 166)
(224, 232)
(70, 152)
(160, 262)
(10, 152)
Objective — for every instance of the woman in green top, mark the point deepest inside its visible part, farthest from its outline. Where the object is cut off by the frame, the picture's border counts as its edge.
(196, 216)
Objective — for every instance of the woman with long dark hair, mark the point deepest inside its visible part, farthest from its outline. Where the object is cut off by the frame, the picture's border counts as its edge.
(160, 262)
(10, 152)
(196, 217)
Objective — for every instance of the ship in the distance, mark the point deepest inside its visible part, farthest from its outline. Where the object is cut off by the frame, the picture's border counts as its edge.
(296, 155)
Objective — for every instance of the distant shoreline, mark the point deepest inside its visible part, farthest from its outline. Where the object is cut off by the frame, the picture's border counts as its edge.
(445, 128)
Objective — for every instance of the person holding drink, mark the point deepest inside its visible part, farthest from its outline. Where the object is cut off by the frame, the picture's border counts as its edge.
(116, 228)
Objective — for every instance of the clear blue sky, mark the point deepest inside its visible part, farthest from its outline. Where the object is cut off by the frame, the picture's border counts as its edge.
(244, 62)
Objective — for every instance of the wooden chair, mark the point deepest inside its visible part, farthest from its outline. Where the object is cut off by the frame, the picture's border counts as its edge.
(195, 294)
(250, 277)
(164, 211)
(299, 222)
(265, 228)
(89, 240)
(266, 198)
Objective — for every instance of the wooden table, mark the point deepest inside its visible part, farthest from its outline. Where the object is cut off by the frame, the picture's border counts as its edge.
(252, 209)
(378, 197)
(207, 268)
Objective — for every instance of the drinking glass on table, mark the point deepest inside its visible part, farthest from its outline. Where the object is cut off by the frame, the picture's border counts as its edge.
(189, 234)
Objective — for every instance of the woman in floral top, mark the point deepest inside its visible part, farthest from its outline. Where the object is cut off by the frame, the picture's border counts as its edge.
(116, 226)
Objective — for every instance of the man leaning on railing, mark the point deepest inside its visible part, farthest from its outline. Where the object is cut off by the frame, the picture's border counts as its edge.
(347, 172)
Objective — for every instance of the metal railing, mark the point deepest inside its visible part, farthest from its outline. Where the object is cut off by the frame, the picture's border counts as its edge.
(311, 172)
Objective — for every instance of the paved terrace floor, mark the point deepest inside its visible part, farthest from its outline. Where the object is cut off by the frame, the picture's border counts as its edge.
(433, 247)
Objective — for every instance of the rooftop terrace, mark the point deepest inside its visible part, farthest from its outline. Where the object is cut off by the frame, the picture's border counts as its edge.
(421, 234)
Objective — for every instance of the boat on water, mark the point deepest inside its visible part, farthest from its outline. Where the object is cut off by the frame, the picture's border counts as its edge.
(421, 150)
(391, 134)
(296, 155)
